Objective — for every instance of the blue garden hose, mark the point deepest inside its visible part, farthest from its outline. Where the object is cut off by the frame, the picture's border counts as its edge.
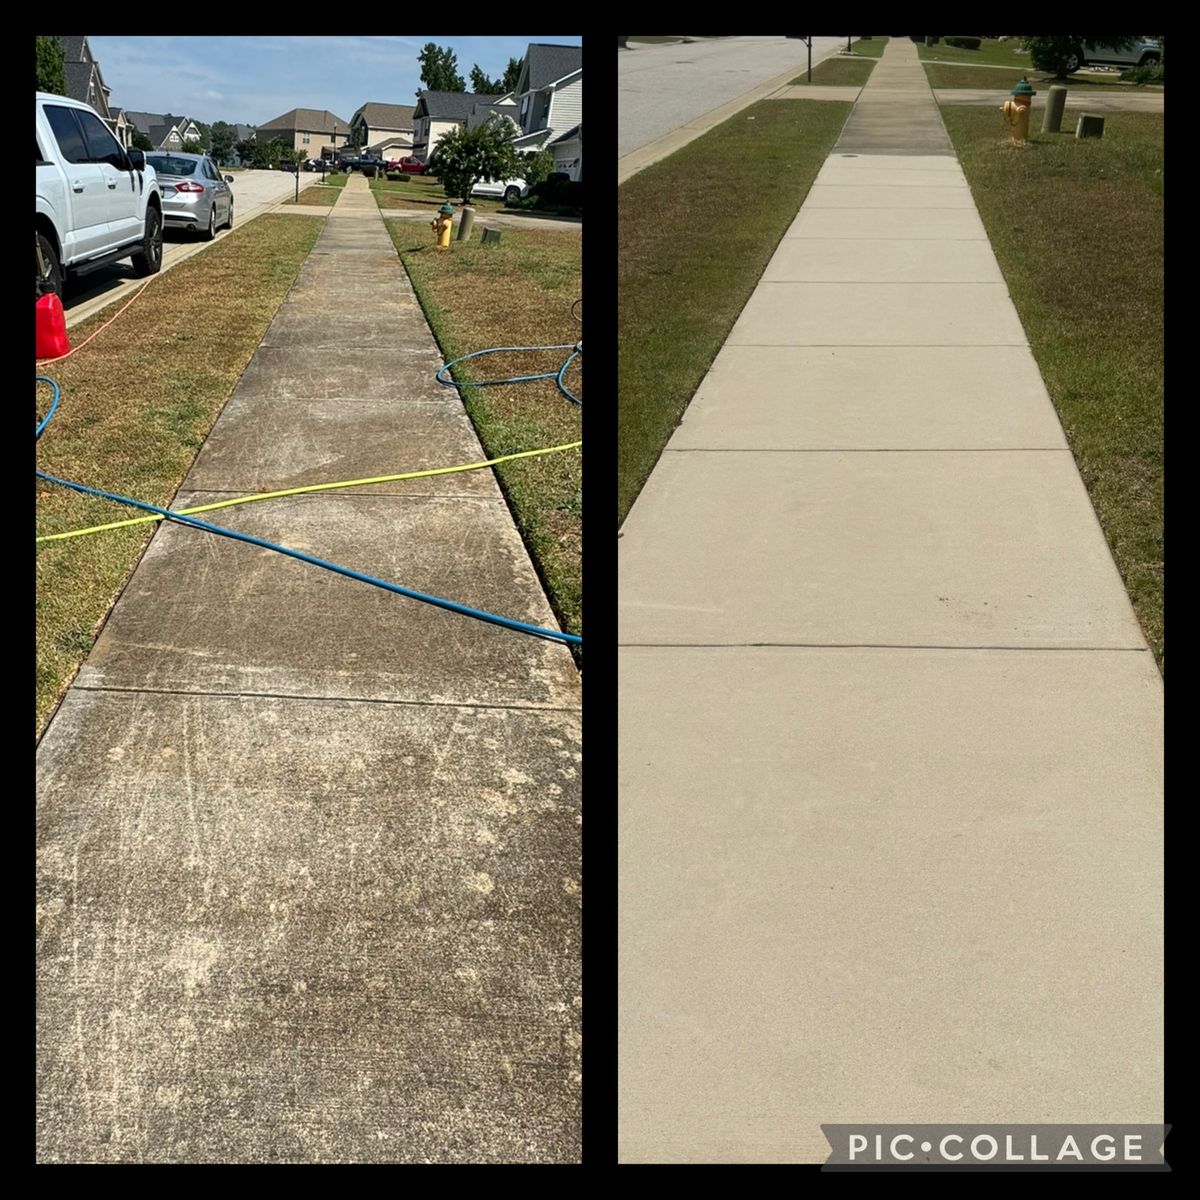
(576, 349)
(437, 601)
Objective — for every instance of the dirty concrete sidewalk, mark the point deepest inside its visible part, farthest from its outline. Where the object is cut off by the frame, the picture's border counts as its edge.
(309, 873)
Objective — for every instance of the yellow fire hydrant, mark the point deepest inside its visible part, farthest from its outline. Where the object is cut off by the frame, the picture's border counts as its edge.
(441, 225)
(1016, 110)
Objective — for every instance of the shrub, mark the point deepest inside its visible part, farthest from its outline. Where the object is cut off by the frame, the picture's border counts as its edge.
(964, 43)
(1144, 74)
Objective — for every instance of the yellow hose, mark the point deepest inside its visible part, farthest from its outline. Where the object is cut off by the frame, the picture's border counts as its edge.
(314, 487)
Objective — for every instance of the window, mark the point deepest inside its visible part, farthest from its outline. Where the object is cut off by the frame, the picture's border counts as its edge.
(67, 133)
(304, 139)
(102, 146)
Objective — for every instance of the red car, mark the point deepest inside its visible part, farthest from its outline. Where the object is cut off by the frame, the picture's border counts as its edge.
(410, 166)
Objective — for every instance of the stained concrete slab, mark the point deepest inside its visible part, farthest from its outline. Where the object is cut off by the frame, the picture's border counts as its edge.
(367, 952)
(870, 398)
(252, 621)
(848, 548)
(314, 372)
(847, 171)
(856, 260)
(942, 224)
(901, 165)
(905, 885)
(378, 328)
(266, 444)
(878, 314)
(295, 927)
(875, 196)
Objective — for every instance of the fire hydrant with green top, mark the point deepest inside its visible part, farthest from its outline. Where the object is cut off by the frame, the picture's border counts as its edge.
(1016, 110)
(441, 225)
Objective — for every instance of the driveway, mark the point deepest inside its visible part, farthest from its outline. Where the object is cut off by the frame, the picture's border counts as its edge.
(662, 87)
(254, 192)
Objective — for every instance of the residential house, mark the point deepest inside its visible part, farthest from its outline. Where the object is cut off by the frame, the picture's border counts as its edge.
(312, 132)
(165, 130)
(486, 110)
(241, 133)
(85, 83)
(436, 113)
(549, 96)
(568, 152)
(383, 129)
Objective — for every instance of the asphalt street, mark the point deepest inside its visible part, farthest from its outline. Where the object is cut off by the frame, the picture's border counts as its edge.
(663, 86)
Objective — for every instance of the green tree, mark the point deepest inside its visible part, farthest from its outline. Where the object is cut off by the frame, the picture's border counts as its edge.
(512, 73)
(482, 85)
(439, 69)
(192, 146)
(536, 166)
(465, 157)
(205, 138)
(1058, 54)
(141, 141)
(246, 151)
(51, 74)
(223, 136)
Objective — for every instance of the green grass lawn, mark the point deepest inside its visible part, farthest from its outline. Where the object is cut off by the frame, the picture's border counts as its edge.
(689, 256)
(424, 192)
(872, 48)
(944, 76)
(1084, 264)
(316, 194)
(516, 293)
(996, 52)
(136, 405)
(336, 179)
(844, 72)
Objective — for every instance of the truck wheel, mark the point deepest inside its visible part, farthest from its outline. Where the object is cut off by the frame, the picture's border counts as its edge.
(1073, 62)
(511, 194)
(54, 282)
(148, 260)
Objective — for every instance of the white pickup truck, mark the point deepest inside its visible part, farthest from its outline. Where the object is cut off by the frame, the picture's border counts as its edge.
(96, 201)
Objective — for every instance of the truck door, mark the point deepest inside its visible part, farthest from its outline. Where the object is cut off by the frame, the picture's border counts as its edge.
(87, 184)
(120, 187)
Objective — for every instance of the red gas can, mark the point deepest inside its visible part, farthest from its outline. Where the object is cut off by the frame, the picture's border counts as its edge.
(51, 328)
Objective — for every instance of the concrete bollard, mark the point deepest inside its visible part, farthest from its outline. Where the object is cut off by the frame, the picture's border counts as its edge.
(491, 237)
(1055, 103)
(1090, 125)
(466, 220)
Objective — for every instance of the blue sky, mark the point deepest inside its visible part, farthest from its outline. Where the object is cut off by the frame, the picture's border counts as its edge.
(254, 79)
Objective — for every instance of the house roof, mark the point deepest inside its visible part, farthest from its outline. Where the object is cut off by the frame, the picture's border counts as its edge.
(79, 78)
(386, 116)
(394, 140)
(546, 64)
(242, 132)
(570, 135)
(451, 106)
(319, 120)
(73, 47)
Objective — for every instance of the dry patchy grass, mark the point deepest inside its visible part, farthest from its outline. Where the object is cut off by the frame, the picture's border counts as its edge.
(137, 403)
(518, 293)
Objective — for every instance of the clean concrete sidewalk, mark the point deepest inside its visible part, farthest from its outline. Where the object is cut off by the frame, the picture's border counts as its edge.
(890, 735)
(308, 851)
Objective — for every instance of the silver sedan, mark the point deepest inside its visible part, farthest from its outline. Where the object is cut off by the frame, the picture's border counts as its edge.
(195, 194)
